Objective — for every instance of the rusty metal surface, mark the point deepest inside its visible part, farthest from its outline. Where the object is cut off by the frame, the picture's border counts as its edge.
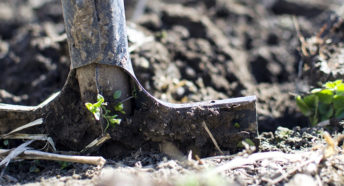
(102, 25)
(96, 32)
(229, 120)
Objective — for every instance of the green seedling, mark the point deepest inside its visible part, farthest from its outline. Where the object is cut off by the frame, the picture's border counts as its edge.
(246, 140)
(117, 94)
(99, 110)
(236, 125)
(6, 142)
(162, 35)
(323, 103)
(64, 164)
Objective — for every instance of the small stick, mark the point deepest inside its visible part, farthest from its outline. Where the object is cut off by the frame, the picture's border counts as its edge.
(12, 154)
(300, 36)
(31, 124)
(212, 138)
(35, 154)
(96, 143)
(15, 152)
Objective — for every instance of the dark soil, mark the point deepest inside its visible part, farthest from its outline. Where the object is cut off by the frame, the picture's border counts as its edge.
(201, 50)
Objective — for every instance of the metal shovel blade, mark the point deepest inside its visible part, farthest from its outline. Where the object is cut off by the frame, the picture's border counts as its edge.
(97, 39)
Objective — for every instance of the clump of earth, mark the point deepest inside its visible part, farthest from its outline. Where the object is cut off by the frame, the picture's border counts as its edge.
(185, 51)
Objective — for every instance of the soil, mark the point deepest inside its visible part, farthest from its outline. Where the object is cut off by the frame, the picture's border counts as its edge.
(195, 51)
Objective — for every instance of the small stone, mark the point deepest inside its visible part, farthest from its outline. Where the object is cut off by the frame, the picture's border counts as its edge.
(76, 176)
(180, 91)
(144, 63)
(190, 73)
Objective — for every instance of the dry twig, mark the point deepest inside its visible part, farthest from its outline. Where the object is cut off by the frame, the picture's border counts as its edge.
(96, 143)
(35, 154)
(12, 154)
(212, 137)
(40, 137)
(300, 36)
(31, 124)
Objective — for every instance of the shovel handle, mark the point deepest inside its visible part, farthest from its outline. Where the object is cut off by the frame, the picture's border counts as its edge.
(96, 32)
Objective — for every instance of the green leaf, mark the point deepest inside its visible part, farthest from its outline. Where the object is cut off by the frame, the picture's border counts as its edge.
(314, 101)
(115, 121)
(316, 90)
(110, 117)
(325, 111)
(325, 96)
(119, 108)
(101, 105)
(236, 125)
(338, 102)
(64, 164)
(303, 106)
(5, 142)
(311, 100)
(100, 98)
(97, 114)
(340, 90)
(332, 84)
(339, 114)
(93, 109)
(100, 101)
(117, 94)
(249, 141)
(90, 107)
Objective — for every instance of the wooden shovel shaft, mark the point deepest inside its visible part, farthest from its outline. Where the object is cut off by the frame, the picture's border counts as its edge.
(96, 32)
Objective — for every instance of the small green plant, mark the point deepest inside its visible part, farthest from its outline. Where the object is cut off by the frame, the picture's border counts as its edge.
(323, 103)
(236, 125)
(99, 110)
(247, 141)
(64, 164)
(6, 142)
(161, 35)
